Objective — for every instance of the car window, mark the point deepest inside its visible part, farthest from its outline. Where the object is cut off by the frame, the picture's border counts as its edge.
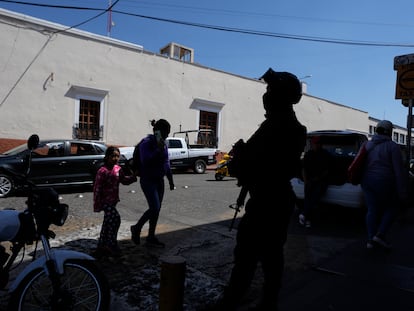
(174, 143)
(341, 145)
(342, 150)
(56, 149)
(79, 148)
(100, 148)
(41, 150)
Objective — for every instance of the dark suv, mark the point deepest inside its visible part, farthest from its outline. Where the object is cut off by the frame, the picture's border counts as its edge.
(56, 163)
(343, 146)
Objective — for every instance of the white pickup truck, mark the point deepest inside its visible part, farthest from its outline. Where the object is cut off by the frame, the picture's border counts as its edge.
(182, 156)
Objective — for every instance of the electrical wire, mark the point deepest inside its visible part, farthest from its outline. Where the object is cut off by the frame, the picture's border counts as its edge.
(50, 36)
(221, 28)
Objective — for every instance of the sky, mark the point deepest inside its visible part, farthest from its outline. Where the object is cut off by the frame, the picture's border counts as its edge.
(343, 50)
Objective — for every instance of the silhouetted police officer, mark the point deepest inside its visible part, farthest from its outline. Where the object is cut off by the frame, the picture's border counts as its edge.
(262, 231)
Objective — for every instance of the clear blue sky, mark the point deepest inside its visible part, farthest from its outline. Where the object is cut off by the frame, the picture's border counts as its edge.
(359, 76)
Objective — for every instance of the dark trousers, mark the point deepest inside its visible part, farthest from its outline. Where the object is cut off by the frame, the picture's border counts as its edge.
(313, 194)
(154, 193)
(110, 227)
(261, 236)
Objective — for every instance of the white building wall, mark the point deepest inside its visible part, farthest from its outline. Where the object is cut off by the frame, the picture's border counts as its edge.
(320, 114)
(43, 75)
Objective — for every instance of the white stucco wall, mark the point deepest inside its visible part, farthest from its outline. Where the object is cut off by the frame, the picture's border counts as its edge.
(136, 87)
(42, 75)
(320, 114)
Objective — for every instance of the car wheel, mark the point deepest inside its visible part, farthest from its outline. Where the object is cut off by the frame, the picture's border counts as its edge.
(199, 167)
(6, 186)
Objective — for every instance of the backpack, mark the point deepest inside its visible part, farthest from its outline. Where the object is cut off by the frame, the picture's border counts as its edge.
(135, 161)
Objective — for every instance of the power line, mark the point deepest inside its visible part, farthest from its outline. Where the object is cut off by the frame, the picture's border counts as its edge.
(259, 14)
(271, 34)
(223, 28)
(90, 19)
(52, 6)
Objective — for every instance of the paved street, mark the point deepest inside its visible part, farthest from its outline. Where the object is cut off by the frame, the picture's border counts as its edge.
(327, 266)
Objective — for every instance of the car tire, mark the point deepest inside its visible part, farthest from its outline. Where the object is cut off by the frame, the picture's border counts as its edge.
(200, 166)
(6, 186)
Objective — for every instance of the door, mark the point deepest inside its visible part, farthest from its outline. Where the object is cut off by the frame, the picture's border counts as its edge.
(85, 160)
(49, 165)
(176, 150)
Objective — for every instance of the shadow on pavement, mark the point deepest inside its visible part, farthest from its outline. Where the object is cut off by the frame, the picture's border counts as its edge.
(327, 266)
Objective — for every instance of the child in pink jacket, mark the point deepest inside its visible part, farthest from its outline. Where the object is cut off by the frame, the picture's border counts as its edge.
(106, 197)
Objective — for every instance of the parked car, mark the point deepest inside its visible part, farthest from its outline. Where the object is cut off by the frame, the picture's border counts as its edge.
(56, 163)
(343, 146)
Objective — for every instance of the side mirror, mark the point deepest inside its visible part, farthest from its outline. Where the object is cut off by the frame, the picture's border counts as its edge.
(33, 142)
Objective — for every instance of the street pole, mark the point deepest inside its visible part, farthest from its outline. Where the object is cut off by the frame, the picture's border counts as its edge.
(409, 126)
(109, 22)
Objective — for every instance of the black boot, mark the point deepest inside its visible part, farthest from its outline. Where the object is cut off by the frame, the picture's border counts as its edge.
(135, 235)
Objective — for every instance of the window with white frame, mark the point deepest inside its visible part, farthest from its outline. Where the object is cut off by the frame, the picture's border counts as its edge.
(88, 122)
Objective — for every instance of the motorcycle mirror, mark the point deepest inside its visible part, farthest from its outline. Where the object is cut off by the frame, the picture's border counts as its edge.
(33, 142)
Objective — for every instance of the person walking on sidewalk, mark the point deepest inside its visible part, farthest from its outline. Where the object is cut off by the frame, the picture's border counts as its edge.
(262, 231)
(384, 183)
(154, 166)
(105, 198)
(316, 166)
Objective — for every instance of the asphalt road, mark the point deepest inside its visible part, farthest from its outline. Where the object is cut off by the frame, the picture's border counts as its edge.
(199, 199)
(197, 196)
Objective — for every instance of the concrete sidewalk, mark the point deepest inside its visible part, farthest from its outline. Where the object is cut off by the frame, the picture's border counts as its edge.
(357, 278)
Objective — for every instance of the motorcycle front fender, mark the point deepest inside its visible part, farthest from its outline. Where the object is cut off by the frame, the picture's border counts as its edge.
(60, 255)
(9, 224)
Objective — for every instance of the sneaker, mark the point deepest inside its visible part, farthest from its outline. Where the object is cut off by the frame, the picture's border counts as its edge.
(381, 241)
(370, 244)
(154, 242)
(302, 219)
(135, 235)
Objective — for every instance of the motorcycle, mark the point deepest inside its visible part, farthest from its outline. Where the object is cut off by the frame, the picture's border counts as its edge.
(58, 279)
(222, 167)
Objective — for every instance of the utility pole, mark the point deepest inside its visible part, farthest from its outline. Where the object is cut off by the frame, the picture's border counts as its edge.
(404, 65)
(109, 22)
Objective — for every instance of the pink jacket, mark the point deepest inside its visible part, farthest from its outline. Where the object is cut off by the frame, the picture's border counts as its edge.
(106, 187)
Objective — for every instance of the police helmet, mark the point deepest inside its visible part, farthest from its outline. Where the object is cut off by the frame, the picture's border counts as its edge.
(283, 85)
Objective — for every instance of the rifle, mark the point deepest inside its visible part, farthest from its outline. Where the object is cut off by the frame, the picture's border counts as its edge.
(238, 205)
(237, 209)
